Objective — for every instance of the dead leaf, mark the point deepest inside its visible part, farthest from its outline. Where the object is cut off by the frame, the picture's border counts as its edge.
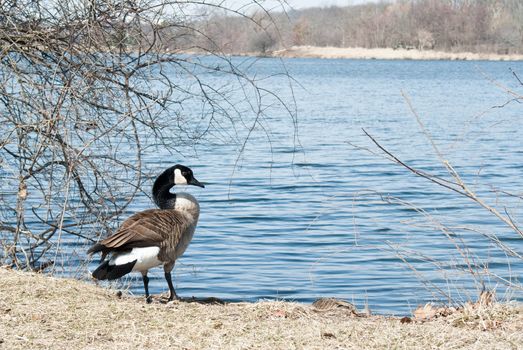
(279, 313)
(22, 191)
(426, 312)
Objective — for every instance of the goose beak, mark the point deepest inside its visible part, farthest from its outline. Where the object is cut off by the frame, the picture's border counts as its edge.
(195, 182)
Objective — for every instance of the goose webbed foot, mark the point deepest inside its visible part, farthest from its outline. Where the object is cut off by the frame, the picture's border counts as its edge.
(173, 296)
(172, 292)
(148, 298)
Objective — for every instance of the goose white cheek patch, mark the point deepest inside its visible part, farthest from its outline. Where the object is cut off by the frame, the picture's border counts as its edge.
(179, 179)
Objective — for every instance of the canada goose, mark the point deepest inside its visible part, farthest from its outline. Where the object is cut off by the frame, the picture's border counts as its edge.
(152, 237)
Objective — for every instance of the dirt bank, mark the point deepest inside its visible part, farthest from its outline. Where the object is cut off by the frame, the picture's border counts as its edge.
(41, 312)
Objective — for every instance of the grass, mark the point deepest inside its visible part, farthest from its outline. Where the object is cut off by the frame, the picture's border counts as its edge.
(42, 312)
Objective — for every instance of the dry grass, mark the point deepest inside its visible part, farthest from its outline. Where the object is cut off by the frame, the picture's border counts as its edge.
(40, 312)
(388, 54)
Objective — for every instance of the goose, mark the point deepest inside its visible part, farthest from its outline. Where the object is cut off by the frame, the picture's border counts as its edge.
(152, 237)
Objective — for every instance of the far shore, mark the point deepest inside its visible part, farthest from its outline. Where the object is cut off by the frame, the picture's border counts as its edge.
(387, 54)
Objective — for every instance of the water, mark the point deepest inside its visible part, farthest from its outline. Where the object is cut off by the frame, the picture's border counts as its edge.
(323, 217)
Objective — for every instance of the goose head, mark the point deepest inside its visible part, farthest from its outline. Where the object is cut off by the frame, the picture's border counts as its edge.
(175, 175)
(182, 175)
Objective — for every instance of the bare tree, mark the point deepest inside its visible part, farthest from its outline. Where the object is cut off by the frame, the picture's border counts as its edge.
(476, 26)
(86, 87)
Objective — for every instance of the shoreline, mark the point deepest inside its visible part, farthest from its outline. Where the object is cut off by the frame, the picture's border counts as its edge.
(44, 312)
(387, 54)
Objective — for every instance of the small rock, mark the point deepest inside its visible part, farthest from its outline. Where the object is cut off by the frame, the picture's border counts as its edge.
(406, 320)
(327, 335)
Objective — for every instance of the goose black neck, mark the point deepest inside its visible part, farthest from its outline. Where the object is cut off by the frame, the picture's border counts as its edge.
(162, 196)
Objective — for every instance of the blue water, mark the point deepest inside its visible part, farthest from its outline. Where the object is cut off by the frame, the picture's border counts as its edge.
(326, 215)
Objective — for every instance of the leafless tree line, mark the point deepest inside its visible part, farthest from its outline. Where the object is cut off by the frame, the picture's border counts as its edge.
(449, 25)
(88, 86)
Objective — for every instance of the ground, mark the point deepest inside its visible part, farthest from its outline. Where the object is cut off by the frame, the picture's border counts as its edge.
(42, 312)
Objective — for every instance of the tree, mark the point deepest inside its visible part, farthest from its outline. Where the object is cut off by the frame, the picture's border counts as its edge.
(86, 87)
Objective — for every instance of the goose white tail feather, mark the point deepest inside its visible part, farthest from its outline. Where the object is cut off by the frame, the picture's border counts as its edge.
(145, 258)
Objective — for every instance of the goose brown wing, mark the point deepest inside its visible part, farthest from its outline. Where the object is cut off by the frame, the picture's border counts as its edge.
(139, 230)
(154, 227)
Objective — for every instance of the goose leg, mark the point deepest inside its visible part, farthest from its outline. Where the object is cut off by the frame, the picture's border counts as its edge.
(146, 287)
(172, 293)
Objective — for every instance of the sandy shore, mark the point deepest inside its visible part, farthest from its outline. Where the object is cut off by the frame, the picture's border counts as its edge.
(41, 312)
(387, 54)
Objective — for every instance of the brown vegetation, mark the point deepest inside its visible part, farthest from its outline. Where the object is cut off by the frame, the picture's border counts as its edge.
(40, 312)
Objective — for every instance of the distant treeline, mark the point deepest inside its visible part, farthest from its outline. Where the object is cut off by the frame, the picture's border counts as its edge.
(447, 25)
